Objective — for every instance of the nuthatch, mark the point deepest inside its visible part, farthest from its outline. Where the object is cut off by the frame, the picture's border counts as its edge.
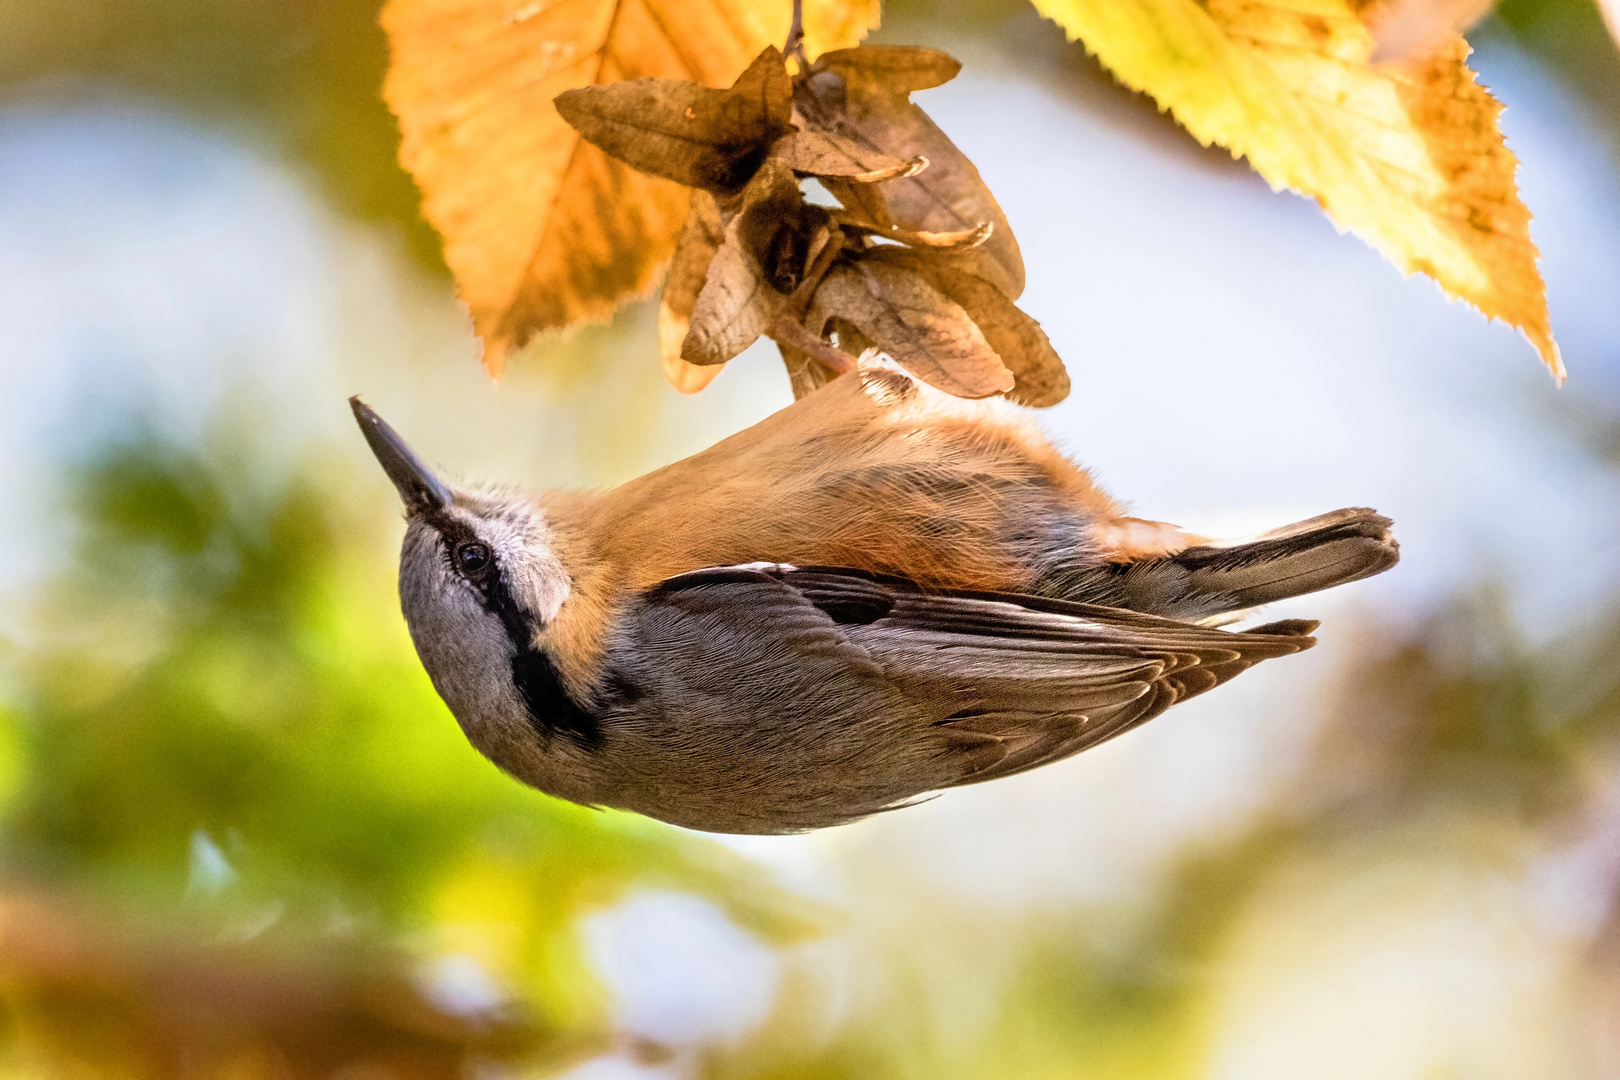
(878, 592)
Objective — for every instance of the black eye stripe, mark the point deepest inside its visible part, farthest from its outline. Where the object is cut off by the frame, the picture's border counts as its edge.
(454, 537)
(552, 710)
(452, 533)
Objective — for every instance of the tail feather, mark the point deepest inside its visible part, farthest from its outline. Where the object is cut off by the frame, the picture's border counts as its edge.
(1216, 578)
(1319, 553)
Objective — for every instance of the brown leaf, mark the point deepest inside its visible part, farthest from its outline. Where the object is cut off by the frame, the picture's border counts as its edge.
(542, 230)
(826, 242)
(962, 240)
(700, 239)
(946, 197)
(740, 300)
(782, 232)
(1017, 338)
(965, 240)
(877, 72)
(684, 132)
(927, 333)
(822, 153)
(776, 249)
(734, 308)
(849, 336)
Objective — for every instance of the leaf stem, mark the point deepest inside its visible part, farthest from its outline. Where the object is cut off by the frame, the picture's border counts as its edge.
(794, 46)
(789, 331)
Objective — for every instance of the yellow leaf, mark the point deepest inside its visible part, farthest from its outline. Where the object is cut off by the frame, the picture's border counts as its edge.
(542, 230)
(1407, 156)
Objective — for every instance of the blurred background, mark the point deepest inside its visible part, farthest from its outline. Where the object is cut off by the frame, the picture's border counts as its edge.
(240, 836)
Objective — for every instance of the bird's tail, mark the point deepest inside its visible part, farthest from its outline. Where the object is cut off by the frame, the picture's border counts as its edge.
(1214, 578)
(1309, 555)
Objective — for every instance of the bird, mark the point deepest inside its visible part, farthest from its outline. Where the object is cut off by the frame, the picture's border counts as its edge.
(875, 594)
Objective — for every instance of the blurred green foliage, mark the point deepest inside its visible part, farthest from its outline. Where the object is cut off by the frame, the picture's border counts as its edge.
(223, 735)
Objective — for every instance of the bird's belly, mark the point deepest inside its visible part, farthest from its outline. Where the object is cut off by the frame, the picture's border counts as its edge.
(771, 761)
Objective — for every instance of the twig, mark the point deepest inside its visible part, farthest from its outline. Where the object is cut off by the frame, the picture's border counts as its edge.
(790, 332)
(794, 46)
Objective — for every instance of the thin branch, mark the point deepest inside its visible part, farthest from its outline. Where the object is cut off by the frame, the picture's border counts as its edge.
(794, 46)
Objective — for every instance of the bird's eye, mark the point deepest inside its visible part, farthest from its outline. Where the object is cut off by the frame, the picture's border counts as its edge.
(471, 557)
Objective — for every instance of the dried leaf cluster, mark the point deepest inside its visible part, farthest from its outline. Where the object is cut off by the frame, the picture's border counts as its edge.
(1367, 106)
(916, 259)
(543, 231)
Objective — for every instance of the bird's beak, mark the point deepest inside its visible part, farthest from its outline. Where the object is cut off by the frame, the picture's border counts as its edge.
(417, 485)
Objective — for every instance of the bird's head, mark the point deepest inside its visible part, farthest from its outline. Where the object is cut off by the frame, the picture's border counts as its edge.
(479, 580)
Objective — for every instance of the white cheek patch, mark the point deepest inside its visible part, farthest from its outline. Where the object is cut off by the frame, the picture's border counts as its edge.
(547, 590)
(534, 574)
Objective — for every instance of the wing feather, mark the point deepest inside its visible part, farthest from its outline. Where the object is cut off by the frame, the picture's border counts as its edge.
(1011, 682)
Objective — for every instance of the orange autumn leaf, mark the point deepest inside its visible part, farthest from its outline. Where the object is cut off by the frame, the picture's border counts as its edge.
(542, 230)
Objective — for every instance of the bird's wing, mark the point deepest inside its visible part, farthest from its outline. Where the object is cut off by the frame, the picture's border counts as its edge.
(1008, 682)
